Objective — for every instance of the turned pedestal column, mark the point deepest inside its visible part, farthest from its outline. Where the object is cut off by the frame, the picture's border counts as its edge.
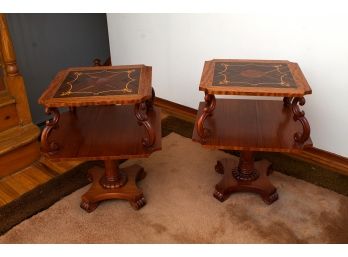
(114, 183)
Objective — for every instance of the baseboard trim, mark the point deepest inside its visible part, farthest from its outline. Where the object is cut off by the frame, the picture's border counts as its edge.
(319, 156)
(177, 110)
(313, 155)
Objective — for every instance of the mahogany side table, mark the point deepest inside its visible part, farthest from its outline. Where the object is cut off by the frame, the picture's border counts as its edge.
(251, 125)
(111, 117)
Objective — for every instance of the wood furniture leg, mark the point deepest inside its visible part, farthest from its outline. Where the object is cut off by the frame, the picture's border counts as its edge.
(141, 111)
(246, 176)
(151, 101)
(300, 115)
(50, 147)
(207, 111)
(114, 183)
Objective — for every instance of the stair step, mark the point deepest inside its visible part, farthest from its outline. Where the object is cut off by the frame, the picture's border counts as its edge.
(17, 136)
(15, 185)
(39, 172)
(8, 112)
(6, 100)
(59, 166)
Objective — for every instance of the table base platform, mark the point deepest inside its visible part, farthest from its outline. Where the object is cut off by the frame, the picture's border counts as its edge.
(245, 176)
(114, 183)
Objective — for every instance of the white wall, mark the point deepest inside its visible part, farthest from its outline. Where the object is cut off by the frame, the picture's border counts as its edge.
(176, 46)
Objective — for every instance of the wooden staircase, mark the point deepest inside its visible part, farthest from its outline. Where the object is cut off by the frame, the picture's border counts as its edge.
(22, 168)
(18, 135)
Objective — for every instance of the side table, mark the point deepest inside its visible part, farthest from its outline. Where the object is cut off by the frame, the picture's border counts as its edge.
(251, 125)
(111, 117)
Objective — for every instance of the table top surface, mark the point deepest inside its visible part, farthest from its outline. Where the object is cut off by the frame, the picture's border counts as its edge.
(102, 85)
(253, 77)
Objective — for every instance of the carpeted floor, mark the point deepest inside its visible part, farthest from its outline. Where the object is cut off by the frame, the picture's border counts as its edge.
(311, 172)
(181, 209)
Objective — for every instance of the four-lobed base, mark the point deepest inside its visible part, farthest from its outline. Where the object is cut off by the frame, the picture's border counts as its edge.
(128, 191)
(229, 184)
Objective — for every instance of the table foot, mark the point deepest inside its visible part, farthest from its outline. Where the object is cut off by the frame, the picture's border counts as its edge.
(219, 168)
(232, 183)
(269, 199)
(220, 196)
(137, 204)
(128, 191)
(88, 206)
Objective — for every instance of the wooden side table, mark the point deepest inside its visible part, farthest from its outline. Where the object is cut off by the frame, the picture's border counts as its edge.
(251, 125)
(111, 117)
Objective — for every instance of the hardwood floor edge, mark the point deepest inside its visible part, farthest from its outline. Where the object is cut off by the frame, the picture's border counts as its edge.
(312, 155)
(50, 192)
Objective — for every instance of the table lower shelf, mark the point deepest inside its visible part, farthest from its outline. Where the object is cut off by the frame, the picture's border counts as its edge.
(103, 133)
(251, 125)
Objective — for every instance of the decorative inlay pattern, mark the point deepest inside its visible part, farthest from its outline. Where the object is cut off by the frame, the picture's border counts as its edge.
(241, 74)
(100, 83)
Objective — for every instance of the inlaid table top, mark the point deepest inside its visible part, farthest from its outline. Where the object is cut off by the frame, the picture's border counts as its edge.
(103, 85)
(253, 77)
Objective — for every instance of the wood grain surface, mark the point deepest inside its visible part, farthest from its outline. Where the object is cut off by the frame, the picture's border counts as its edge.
(253, 125)
(8, 117)
(102, 133)
(299, 84)
(49, 97)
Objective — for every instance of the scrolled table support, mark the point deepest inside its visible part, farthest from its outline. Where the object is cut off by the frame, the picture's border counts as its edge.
(287, 101)
(140, 111)
(210, 104)
(50, 147)
(300, 115)
(150, 102)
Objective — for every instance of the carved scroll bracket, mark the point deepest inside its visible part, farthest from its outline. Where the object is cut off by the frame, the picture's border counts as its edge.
(47, 146)
(210, 104)
(140, 111)
(300, 115)
(150, 102)
(287, 101)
